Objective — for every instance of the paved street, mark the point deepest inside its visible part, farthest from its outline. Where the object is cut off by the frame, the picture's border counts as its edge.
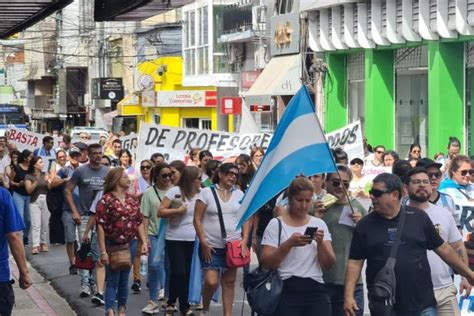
(54, 267)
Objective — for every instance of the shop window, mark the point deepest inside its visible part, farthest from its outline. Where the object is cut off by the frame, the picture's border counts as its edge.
(197, 123)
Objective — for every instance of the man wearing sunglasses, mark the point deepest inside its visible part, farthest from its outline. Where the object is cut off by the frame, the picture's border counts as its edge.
(372, 240)
(435, 175)
(419, 187)
(337, 184)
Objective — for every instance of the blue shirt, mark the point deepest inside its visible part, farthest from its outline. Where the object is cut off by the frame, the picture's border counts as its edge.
(10, 221)
(64, 173)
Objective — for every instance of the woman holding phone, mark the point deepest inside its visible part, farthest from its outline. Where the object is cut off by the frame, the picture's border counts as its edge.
(304, 252)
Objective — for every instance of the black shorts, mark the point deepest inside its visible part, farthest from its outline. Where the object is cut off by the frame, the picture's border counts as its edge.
(7, 298)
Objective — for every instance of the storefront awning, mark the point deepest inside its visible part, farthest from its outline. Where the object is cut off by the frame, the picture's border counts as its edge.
(15, 16)
(281, 76)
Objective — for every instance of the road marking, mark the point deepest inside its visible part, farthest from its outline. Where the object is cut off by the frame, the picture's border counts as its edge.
(34, 293)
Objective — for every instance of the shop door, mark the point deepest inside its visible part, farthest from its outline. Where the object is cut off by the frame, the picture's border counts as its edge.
(411, 113)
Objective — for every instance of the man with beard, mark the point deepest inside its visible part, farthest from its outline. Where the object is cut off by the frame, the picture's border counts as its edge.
(438, 198)
(419, 188)
(372, 240)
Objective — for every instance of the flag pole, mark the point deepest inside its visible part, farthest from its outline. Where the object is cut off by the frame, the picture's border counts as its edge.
(332, 158)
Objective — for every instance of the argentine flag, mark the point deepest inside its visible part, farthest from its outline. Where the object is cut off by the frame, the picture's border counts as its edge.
(298, 146)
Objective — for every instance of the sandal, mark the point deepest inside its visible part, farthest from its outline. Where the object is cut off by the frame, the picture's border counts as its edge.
(44, 248)
(35, 250)
(121, 311)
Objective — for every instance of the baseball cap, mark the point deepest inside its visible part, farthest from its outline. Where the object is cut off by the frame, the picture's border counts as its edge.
(81, 145)
(427, 162)
(74, 151)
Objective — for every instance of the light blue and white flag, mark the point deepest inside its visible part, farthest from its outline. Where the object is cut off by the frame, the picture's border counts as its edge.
(298, 146)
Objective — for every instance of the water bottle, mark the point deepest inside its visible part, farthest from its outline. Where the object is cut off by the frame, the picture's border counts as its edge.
(143, 262)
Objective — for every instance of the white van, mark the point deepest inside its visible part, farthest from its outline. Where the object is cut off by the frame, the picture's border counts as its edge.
(95, 133)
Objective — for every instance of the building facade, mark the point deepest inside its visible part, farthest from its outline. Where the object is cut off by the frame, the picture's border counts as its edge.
(404, 68)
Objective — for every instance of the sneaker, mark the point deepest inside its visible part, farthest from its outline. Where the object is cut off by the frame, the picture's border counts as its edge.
(85, 291)
(151, 308)
(161, 294)
(98, 299)
(136, 286)
(72, 270)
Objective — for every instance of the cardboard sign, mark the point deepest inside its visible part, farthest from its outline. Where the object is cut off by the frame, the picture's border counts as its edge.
(349, 138)
(174, 143)
(25, 139)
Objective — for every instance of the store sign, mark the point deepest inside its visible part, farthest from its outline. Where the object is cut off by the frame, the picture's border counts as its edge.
(149, 98)
(285, 29)
(231, 105)
(107, 89)
(174, 142)
(191, 98)
(248, 78)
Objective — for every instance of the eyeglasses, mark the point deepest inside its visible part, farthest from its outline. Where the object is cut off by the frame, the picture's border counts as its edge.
(419, 181)
(378, 193)
(166, 175)
(337, 183)
(231, 173)
(465, 172)
(145, 167)
(437, 174)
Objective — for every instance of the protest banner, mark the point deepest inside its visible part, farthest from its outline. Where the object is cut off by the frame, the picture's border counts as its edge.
(25, 139)
(349, 138)
(130, 142)
(174, 143)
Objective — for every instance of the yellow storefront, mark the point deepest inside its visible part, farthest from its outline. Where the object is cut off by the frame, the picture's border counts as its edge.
(163, 100)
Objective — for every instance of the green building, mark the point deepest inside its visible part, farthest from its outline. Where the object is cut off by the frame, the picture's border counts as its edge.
(405, 68)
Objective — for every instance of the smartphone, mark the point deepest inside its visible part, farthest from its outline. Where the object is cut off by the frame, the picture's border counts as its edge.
(310, 231)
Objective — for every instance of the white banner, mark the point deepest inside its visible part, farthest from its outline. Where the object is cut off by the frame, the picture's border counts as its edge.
(25, 139)
(174, 143)
(130, 142)
(350, 139)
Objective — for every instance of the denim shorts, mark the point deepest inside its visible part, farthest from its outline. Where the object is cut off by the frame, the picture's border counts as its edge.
(218, 260)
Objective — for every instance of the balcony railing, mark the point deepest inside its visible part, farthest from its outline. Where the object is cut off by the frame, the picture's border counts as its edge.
(237, 19)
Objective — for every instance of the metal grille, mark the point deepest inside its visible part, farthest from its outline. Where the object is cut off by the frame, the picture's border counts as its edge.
(318, 24)
(399, 15)
(355, 67)
(416, 11)
(369, 18)
(411, 57)
(356, 20)
(433, 7)
(384, 15)
(470, 12)
(342, 22)
(330, 23)
(470, 55)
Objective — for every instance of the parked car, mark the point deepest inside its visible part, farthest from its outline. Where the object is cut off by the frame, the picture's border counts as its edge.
(94, 132)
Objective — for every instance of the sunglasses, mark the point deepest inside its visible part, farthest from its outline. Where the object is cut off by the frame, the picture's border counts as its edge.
(357, 163)
(337, 183)
(378, 193)
(231, 173)
(145, 167)
(166, 175)
(465, 172)
(437, 174)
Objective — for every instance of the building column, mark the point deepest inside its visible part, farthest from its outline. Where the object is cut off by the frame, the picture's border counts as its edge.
(445, 95)
(336, 92)
(379, 97)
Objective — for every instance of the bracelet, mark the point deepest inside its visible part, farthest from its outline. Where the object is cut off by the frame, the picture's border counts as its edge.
(103, 253)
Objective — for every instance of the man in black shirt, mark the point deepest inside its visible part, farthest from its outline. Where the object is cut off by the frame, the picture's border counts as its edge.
(372, 240)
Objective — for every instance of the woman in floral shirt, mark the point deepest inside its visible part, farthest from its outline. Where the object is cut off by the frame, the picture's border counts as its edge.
(119, 221)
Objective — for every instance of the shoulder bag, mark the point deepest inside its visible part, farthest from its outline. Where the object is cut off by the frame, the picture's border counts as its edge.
(119, 256)
(382, 291)
(264, 287)
(233, 253)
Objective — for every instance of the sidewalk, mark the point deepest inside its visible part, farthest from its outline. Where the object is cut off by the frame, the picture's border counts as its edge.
(39, 299)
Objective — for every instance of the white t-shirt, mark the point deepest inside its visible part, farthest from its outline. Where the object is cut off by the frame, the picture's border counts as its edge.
(181, 227)
(446, 227)
(212, 229)
(447, 202)
(301, 261)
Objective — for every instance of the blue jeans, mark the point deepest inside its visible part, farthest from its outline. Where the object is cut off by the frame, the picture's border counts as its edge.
(117, 283)
(22, 204)
(336, 296)
(156, 271)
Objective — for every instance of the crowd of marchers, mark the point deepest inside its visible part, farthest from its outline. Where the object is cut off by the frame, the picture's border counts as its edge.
(171, 221)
